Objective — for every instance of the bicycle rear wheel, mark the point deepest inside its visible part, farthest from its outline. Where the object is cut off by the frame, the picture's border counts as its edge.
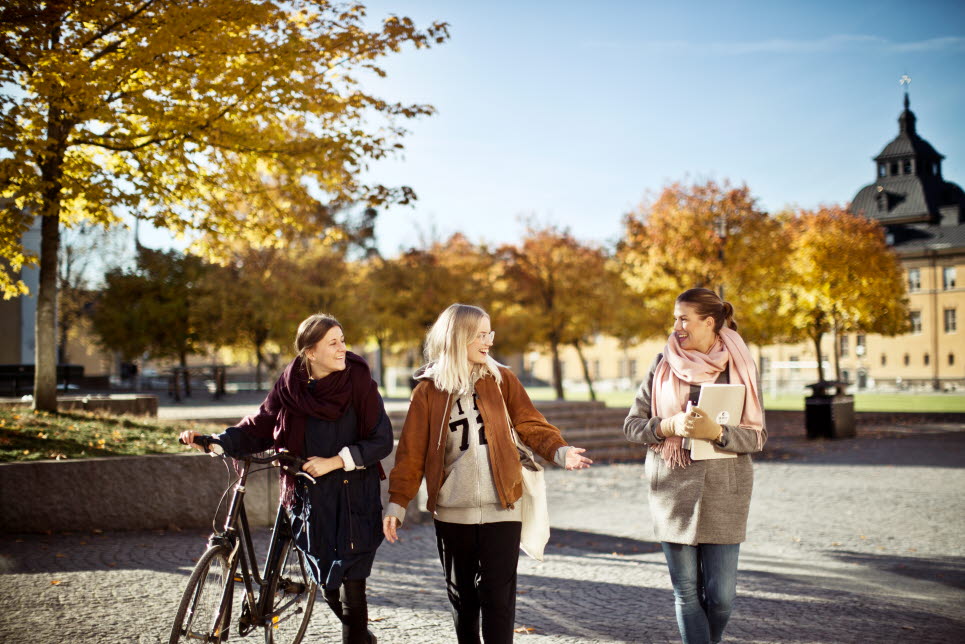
(291, 593)
(201, 617)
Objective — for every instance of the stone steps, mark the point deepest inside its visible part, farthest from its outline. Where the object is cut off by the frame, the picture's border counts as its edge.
(591, 425)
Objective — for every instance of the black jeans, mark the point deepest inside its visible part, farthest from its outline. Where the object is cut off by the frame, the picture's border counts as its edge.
(350, 606)
(479, 561)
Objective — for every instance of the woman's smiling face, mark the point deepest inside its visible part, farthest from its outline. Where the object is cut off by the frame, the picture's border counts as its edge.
(478, 349)
(693, 332)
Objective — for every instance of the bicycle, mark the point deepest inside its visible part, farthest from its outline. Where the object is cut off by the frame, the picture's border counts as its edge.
(280, 600)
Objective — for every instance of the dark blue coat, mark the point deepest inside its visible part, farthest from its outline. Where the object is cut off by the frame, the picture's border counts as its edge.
(338, 521)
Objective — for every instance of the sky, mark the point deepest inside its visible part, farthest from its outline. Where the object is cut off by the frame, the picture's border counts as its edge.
(573, 113)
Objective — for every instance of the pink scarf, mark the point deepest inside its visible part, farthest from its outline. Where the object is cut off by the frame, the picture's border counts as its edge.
(680, 368)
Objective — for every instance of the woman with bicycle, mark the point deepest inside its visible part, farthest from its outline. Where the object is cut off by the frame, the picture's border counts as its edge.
(457, 437)
(326, 408)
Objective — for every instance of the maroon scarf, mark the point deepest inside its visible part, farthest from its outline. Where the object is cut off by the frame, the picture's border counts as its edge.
(328, 399)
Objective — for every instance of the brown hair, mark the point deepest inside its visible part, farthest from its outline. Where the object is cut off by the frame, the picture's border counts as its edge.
(312, 329)
(707, 303)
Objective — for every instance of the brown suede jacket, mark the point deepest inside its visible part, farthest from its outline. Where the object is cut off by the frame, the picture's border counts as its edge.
(422, 448)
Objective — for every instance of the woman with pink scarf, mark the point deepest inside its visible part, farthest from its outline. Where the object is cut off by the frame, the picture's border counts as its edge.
(699, 508)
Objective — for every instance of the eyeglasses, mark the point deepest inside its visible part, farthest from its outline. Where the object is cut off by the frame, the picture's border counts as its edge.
(482, 337)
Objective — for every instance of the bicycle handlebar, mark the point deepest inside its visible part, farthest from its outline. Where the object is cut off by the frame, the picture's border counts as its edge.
(286, 460)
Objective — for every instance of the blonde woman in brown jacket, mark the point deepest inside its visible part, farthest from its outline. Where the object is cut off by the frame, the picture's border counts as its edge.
(457, 437)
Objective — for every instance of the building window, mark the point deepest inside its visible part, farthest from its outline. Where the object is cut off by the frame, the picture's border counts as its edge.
(632, 364)
(951, 359)
(859, 345)
(916, 321)
(596, 370)
(884, 360)
(906, 166)
(948, 277)
(951, 323)
(907, 360)
(927, 359)
(843, 345)
(882, 170)
(914, 279)
(894, 168)
(935, 169)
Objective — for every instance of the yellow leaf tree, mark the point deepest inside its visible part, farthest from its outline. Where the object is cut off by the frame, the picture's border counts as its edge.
(178, 111)
(841, 278)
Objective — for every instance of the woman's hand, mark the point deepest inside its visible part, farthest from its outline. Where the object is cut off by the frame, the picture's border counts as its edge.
(320, 466)
(390, 525)
(575, 459)
(675, 425)
(700, 425)
(187, 437)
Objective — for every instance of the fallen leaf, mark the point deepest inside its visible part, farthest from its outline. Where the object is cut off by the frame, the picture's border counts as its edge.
(524, 629)
(376, 619)
(55, 582)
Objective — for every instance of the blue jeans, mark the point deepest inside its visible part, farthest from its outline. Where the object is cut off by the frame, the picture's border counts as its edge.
(704, 579)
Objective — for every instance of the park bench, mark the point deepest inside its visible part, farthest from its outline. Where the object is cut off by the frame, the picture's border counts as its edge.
(18, 379)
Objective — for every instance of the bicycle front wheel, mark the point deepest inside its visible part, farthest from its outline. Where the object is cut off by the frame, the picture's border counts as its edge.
(291, 593)
(201, 615)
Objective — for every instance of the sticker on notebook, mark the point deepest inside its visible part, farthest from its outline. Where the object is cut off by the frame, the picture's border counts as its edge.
(722, 418)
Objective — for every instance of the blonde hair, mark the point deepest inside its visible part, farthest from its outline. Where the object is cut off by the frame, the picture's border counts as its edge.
(447, 349)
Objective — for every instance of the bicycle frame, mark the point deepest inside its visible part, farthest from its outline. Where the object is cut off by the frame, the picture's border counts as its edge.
(236, 535)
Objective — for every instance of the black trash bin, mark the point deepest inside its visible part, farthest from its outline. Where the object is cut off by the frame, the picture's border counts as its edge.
(829, 411)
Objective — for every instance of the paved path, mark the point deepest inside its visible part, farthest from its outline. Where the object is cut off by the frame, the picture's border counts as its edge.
(851, 541)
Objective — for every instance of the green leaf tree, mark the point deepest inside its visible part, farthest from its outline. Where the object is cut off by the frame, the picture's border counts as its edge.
(154, 308)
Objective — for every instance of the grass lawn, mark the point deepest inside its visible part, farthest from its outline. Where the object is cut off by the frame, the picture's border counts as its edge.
(29, 436)
(911, 402)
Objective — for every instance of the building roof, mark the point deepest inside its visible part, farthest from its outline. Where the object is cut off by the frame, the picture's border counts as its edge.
(908, 143)
(913, 239)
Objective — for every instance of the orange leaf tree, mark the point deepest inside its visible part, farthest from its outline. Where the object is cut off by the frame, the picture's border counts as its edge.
(563, 289)
(703, 235)
(841, 277)
(180, 111)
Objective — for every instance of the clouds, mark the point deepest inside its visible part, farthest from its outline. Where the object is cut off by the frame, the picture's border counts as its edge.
(836, 43)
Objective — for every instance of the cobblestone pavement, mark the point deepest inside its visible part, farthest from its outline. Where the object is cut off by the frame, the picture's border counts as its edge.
(850, 541)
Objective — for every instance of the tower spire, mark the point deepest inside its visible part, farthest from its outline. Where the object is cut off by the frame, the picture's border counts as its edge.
(907, 119)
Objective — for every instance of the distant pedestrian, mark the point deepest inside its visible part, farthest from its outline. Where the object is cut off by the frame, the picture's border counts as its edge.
(326, 407)
(699, 508)
(457, 437)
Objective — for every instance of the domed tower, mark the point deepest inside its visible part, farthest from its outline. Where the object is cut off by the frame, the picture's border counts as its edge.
(924, 220)
(909, 188)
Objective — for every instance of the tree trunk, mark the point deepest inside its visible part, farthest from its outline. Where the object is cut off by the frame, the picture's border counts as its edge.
(62, 330)
(557, 369)
(836, 349)
(259, 360)
(45, 329)
(817, 347)
(586, 368)
(381, 365)
(187, 376)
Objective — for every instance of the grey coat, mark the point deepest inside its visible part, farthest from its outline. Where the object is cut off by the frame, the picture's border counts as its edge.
(707, 501)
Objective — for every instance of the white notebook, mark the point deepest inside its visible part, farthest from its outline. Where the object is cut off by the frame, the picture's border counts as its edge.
(725, 404)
